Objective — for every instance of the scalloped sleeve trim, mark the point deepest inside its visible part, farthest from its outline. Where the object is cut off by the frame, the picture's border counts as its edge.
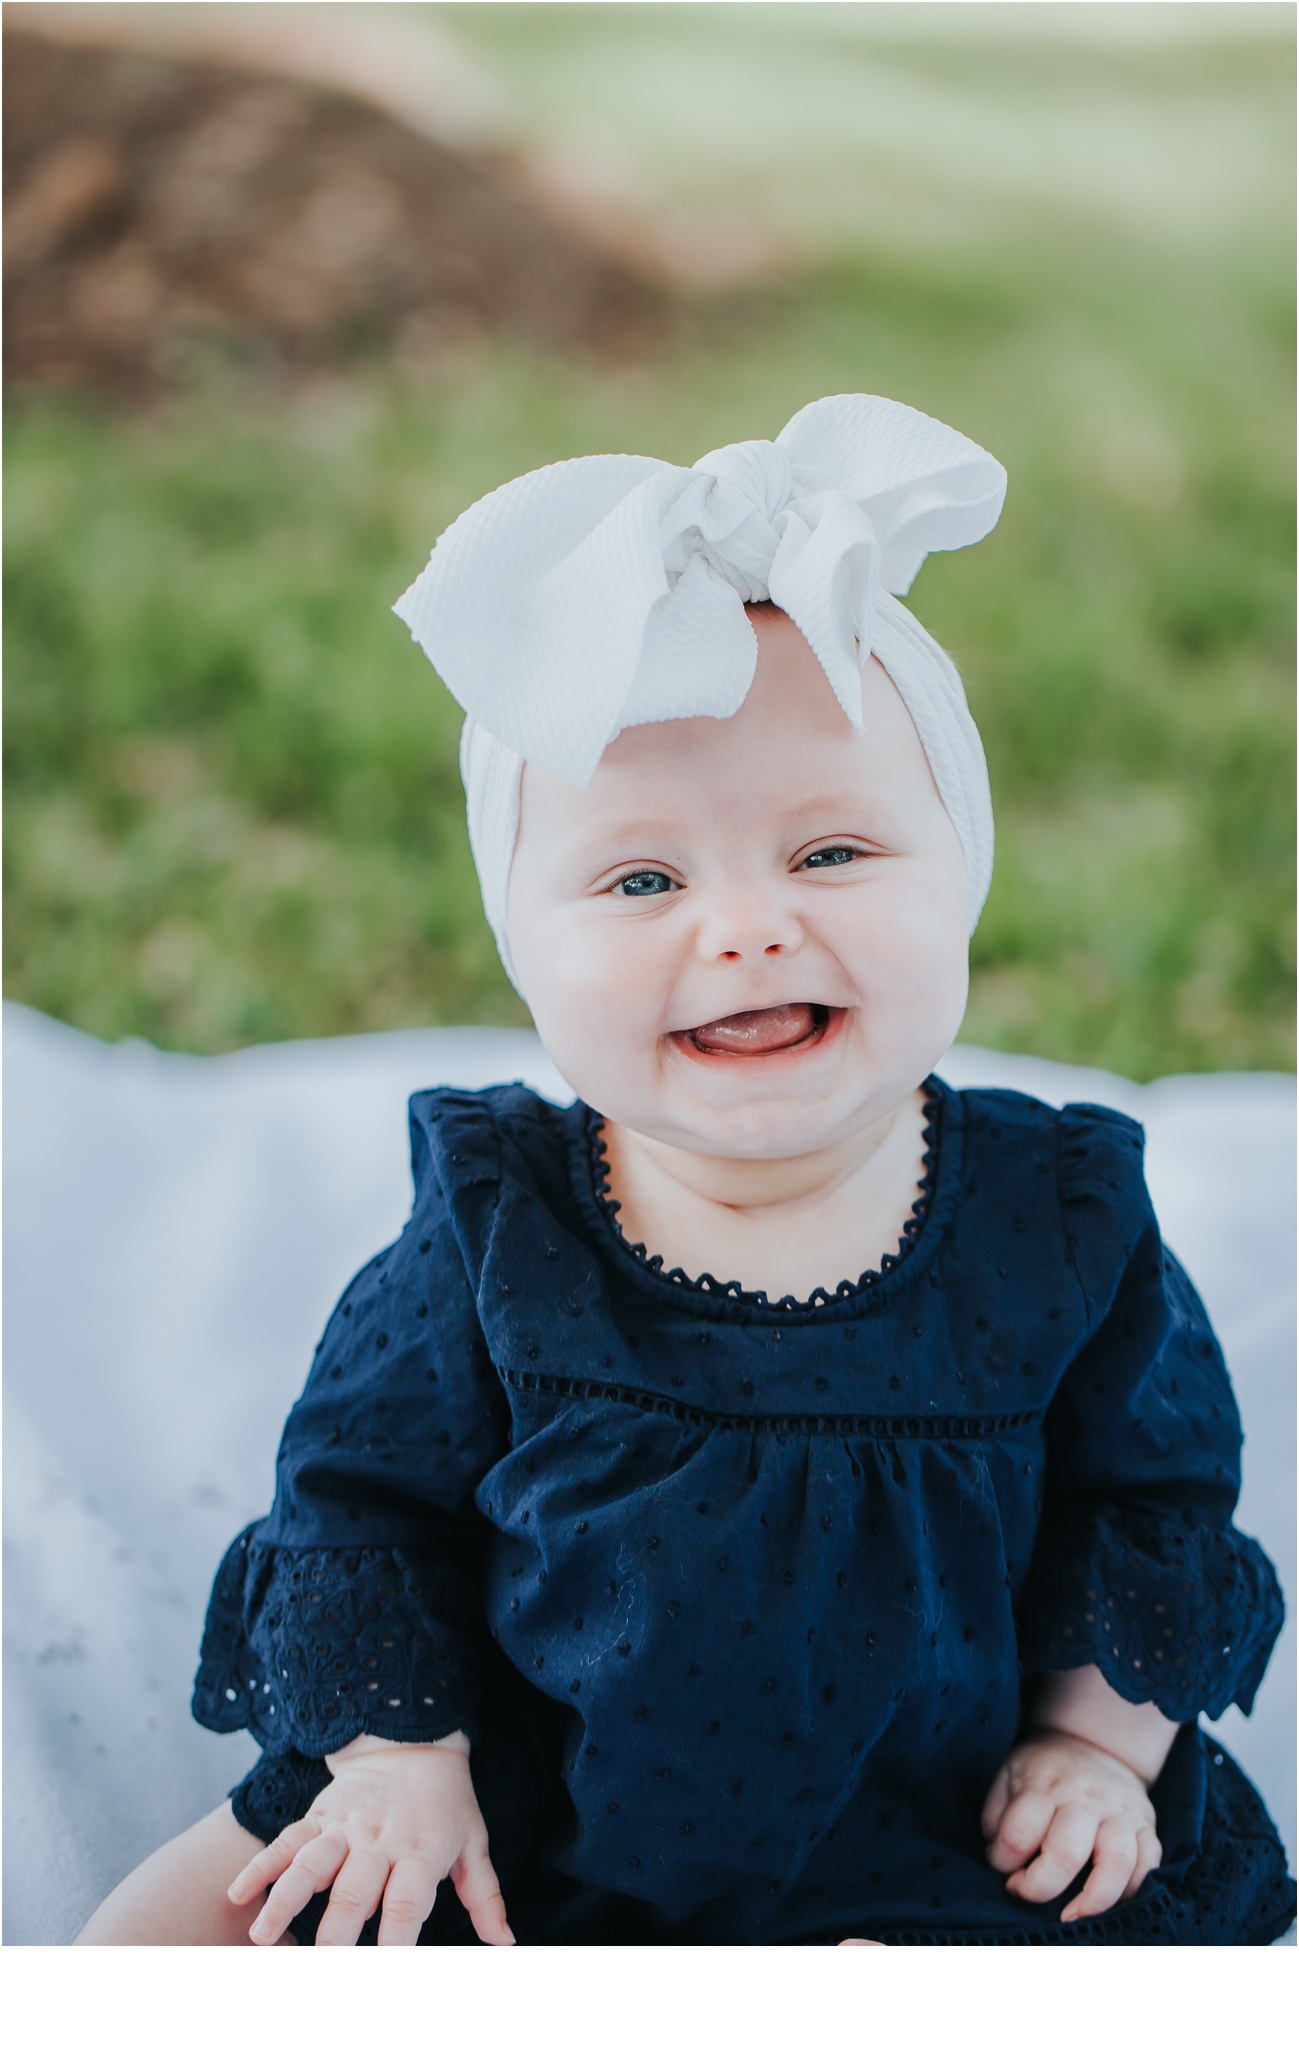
(1170, 1610)
(308, 1648)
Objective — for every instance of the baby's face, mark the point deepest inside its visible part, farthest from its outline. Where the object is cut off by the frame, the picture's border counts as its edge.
(747, 936)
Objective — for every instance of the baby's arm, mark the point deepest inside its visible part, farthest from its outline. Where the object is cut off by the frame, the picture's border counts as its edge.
(1074, 1789)
(395, 1821)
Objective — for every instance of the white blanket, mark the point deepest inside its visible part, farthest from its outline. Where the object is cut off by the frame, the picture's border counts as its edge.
(176, 1232)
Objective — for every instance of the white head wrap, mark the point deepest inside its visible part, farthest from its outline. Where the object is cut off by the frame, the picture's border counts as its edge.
(609, 591)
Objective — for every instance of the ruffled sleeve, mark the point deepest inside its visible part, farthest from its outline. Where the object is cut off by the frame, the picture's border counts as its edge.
(1137, 1567)
(355, 1606)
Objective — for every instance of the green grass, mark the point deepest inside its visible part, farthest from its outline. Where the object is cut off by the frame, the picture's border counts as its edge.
(233, 809)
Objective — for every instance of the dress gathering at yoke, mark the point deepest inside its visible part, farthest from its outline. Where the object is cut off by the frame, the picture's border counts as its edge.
(737, 1599)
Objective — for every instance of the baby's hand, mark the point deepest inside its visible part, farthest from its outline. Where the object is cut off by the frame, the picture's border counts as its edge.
(1058, 1801)
(396, 1820)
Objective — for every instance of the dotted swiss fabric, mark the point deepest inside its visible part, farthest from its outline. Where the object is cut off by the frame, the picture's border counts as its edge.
(735, 1595)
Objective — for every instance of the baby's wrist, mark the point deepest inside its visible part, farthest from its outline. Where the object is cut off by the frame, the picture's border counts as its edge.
(1082, 1705)
(455, 1744)
(1047, 1731)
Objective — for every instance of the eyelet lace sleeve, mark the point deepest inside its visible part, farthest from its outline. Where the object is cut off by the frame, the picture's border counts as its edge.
(1170, 1611)
(307, 1648)
(355, 1606)
(1137, 1567)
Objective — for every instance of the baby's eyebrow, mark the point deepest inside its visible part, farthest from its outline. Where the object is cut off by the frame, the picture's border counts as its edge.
(652, 837)
(638, 835)
(834, 802)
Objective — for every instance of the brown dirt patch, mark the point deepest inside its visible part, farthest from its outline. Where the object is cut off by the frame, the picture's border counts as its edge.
(155, 206)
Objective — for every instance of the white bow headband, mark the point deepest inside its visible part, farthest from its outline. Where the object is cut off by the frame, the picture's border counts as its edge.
(609, 591)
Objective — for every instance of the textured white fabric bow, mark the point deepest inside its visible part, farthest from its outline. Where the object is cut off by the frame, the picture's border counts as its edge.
(609, 591)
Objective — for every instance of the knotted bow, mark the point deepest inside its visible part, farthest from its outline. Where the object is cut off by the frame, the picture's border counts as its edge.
(609, 591)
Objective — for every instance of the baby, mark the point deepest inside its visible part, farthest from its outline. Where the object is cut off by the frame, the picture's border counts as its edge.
(871, 1591)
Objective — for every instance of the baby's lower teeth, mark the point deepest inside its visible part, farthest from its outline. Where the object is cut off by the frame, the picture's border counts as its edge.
(757, 1031)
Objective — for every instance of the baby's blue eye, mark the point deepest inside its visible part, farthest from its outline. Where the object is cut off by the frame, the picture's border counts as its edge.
(830, 857)
(645, 882)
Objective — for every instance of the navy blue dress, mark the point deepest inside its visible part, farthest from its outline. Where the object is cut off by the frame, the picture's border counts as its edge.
(737, 1598)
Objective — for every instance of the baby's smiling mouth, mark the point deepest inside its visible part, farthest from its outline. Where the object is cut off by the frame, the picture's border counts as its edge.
(750, 1033)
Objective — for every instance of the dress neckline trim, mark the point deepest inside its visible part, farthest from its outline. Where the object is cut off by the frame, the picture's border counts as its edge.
(708, 1285)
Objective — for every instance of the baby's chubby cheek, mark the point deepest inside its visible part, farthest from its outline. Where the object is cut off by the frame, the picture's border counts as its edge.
(598, 1013)
(916, 980)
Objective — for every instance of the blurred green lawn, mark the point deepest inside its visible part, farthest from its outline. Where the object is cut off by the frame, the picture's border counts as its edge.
(233, 807)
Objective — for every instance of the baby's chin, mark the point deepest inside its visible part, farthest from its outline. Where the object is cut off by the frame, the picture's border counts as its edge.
(737, 1118)
(767, 1130)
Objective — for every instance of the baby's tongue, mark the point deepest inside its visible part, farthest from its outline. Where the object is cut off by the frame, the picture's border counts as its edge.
(756, 1031)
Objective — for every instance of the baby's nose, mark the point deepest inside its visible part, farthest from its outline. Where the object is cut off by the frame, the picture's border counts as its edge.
(751, 926)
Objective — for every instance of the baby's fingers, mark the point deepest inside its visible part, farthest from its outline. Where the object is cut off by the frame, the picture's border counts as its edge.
(310, 1871)
(1113, 1862)
(407, 1903)
(270, 1861)
(357, 1890)
(479, 1892)
(1069, 1842)
(1149, 1857)
(994, 1806)
(1020, 1831)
